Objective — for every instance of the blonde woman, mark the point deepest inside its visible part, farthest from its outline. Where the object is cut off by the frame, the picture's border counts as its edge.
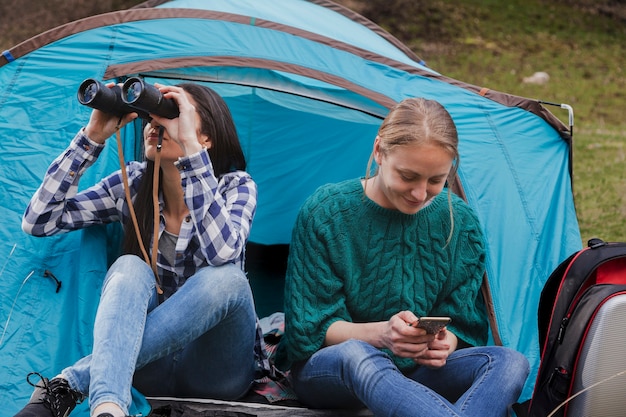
(368, 258)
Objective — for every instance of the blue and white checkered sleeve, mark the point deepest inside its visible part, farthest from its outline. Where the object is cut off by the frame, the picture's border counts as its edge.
(57, 207)
(222, 210)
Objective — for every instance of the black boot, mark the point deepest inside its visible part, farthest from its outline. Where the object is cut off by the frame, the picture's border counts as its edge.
(52, 398)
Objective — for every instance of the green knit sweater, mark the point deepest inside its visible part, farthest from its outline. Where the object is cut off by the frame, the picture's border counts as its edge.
(352, 260)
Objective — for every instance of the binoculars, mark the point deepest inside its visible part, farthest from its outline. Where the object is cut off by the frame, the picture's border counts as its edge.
(134, 96)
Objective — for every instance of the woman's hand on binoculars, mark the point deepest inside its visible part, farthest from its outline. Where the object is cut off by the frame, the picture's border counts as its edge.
(184, 129)
(102, 126)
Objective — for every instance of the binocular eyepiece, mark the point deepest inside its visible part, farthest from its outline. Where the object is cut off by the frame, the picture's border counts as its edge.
(134, 96)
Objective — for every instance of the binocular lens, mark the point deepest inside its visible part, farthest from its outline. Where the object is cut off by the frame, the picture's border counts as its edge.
(89, 93)
(133, 91)
(148, 98)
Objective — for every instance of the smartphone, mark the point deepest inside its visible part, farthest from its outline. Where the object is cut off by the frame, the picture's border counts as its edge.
(432, 325)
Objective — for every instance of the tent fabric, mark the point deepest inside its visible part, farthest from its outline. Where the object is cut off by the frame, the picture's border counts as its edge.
(308, 83)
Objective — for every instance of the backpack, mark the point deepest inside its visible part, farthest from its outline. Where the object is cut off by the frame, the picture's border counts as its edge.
(582, 335)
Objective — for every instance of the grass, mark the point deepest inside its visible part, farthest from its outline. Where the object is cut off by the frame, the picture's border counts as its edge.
(600, 182)
(581, 44)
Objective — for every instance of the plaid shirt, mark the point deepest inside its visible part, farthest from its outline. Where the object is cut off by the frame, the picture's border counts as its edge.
(215, 232)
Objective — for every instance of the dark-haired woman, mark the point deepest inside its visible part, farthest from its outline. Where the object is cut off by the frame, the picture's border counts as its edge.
(177, 332)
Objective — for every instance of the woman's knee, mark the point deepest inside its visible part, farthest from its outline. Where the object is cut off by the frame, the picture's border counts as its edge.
(130, 271)
(511, 364)
(360, 359)
(517, 363)
(333, 375)
(226, 279)
(355, 349)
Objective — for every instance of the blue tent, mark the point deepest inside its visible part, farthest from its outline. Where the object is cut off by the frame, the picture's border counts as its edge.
(308, 83)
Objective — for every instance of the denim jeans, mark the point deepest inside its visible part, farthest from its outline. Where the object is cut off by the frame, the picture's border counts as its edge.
(198, 343)
(479, 381)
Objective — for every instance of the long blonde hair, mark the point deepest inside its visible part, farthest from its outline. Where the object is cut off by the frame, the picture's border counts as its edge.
(419, 121)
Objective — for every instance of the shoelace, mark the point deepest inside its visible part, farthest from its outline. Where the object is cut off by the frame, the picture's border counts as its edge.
(42, 379)
(54, 392)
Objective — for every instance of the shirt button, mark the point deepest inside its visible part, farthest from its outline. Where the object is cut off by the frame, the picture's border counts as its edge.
(71, 173)
(86, 147)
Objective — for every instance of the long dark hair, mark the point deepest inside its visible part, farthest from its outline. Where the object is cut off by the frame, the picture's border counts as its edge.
(225, 153)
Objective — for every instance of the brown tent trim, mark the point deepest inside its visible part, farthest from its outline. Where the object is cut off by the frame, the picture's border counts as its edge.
(110, 19)
(485, 288)
(122, 70)
(491, 312)
(508, 100)
(138, 13)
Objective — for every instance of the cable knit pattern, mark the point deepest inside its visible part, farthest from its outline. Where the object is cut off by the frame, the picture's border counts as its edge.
(353, 260)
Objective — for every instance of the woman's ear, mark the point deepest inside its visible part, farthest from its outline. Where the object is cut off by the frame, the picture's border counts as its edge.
(377, 152)
(205, 141)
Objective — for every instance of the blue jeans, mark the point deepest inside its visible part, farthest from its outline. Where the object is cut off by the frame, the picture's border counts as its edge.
(198, 343)
(480, 381)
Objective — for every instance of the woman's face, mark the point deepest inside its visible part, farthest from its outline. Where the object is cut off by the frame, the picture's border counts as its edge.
(170, 150)
(409, 176)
